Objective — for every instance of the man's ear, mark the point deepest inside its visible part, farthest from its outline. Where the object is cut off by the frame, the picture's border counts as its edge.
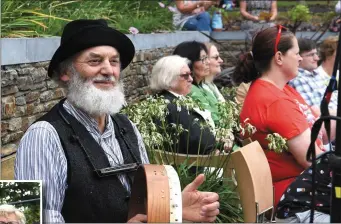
(65, 77)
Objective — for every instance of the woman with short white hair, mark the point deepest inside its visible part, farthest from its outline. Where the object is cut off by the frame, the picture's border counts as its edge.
(10, 214)
(172, 78)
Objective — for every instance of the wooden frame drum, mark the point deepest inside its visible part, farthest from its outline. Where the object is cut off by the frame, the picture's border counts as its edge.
(156, 192)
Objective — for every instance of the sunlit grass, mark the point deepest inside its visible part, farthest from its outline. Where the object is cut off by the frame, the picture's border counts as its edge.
(24, 18)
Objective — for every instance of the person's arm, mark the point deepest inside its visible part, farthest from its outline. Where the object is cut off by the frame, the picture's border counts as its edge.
(338, 7)
(245, 14)
(273, 10)
(285, 118)
(298, 147)
(188, 7)
(40, 157)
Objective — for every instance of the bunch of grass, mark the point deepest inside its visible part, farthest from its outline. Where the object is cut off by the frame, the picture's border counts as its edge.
(23, 18)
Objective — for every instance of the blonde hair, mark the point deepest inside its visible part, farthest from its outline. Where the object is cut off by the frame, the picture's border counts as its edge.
(5, 210)
(328, 47)
(165, 72)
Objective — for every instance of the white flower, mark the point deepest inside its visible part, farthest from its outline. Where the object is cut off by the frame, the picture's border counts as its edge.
(133, 30)
(161, 5)
(172, 9)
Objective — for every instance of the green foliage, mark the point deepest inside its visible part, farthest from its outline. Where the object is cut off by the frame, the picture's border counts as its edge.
(14, 192)
(277, 143)
(299, 13)
(23, 18)
(162, 137)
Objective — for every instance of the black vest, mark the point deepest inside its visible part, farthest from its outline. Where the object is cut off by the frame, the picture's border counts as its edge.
(88, 197)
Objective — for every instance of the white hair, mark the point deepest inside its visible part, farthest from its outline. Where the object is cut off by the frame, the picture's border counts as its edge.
(84, 95)
(5, 210)
(165, 72)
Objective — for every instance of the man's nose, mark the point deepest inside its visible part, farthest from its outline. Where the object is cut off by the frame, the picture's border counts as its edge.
(107, 69)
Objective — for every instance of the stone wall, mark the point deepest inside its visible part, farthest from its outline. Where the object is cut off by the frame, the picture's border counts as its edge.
(27, 92)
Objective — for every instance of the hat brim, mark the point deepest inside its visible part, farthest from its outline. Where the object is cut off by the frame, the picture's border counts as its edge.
(97, 36)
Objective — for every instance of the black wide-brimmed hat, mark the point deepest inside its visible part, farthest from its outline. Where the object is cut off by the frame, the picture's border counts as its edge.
(79, 35)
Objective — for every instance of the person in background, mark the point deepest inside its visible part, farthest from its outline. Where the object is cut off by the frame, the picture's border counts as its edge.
(257, 14)
(11, 215)
(199, 65)
(338, 7)
(327, 56)
(311, 84)
(272, 106)
(171, 78)
(85, 133)
(193, 15)
(215, 69)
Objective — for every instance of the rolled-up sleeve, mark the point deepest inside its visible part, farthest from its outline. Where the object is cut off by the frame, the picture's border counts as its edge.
(40, 157)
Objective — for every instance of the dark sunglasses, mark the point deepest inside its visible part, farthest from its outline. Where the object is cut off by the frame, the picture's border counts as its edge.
(278, 37)
(186, 75)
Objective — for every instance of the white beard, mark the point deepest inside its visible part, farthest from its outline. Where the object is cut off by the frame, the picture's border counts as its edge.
(84, 95)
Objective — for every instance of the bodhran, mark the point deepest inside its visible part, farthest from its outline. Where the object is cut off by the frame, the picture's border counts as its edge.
(156, 192)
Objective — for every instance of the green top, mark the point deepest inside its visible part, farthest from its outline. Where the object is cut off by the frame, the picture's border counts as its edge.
(206, 99)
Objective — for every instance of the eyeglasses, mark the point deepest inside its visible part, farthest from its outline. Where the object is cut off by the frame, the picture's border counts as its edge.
(278, 37)
(216, 57)
(313, 54)
(185, 76)
(204, 59)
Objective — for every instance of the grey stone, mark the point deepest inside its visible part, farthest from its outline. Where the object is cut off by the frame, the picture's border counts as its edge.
(46, 96)
(39, 85)
(32, 96)
(8, 149)
(39, 75)
(14, 124)
(142, 70)
(25, 83)
(8, 77)
(11, 137)
(38, 109)
(20, 101)
(31, 119)
(21, 111)
(25, 71)
(9, 90)
(51, 84)
(21, 93)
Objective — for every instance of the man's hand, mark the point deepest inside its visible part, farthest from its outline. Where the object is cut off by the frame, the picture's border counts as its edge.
(199, 206)
(138, 218)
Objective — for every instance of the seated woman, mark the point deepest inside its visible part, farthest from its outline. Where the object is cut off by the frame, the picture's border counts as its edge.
(199, 65)
(215, 69)
(192, 15)
(274, 107)
(257, 15)
(171, 77)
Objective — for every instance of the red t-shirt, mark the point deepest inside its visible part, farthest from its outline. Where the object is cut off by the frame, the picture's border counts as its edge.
(285, 112)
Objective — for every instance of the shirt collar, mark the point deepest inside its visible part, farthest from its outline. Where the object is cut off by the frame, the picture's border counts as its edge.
(306, 72)
(85, 119)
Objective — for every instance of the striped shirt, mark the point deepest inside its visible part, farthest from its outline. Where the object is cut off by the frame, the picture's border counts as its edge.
(40, 156)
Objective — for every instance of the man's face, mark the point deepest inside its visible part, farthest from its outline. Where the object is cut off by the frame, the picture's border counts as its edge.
(310, 59)
(93, 81)
(100, 65)
(11, 218)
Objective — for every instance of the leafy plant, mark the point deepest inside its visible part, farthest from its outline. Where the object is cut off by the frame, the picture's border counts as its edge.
(22, 18)
(277, 143)
(162, 137)
(298, 14)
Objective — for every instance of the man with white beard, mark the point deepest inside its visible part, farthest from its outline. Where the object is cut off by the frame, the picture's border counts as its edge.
(72, 146)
